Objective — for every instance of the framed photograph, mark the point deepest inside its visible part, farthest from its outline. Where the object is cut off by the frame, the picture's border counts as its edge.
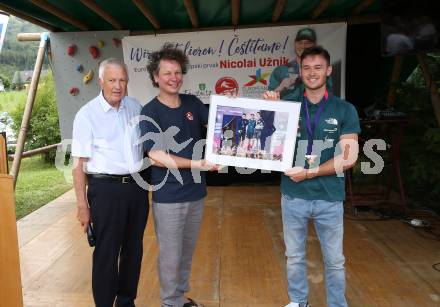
(252, 133)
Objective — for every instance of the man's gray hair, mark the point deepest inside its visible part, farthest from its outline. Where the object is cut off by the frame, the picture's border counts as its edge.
(111, 61)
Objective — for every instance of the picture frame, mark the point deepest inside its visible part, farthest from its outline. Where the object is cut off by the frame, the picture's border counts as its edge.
(252, 133)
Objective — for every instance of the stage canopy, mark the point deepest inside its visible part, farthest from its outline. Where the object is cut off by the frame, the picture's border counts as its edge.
(172, 15)
(164, 16)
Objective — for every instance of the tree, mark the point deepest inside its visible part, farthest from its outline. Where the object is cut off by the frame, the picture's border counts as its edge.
(6, 82)
(421, 144)
(44, 127)
(15, 55)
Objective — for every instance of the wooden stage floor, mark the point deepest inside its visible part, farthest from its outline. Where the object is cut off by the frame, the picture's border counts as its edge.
(239, 259)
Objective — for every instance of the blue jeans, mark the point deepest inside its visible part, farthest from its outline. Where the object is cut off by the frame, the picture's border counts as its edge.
(328, 220)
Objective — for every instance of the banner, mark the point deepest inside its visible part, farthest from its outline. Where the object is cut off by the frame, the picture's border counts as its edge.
(4, 17)
(240, 60)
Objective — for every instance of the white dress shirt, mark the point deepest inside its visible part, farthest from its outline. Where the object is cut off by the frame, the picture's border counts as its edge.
(106, 137)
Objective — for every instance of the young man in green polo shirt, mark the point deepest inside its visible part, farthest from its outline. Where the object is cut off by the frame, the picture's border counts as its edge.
(314, 188)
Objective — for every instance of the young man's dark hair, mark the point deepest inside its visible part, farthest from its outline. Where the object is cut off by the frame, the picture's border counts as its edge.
(167, 52)
(316, 50)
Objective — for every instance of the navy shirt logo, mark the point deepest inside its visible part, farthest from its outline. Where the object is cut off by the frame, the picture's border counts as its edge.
(189, 116)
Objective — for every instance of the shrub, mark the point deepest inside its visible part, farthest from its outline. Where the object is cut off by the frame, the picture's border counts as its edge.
(421, 143)
(44, 126)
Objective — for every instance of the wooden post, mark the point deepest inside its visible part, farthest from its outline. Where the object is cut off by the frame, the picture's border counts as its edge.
(3, 154)
(28, 37)
(395, 76)
(10, 278)
(28, 108)
(430, 84)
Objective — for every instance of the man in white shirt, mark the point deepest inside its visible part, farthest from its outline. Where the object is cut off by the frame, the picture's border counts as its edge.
(106, 153)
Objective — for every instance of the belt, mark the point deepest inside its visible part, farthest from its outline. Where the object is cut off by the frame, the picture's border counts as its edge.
(117, 178)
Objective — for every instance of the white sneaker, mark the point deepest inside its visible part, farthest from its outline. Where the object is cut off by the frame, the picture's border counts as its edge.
(292, 304)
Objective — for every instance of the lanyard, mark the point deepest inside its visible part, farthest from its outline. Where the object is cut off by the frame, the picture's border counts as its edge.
(312, 126)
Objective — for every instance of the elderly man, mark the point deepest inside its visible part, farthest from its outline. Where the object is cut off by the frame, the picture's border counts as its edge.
(106, 154)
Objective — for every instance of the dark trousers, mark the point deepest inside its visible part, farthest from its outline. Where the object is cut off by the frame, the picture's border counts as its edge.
(119, 215)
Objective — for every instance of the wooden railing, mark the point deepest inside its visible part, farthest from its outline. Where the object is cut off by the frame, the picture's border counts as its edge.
(34, 152)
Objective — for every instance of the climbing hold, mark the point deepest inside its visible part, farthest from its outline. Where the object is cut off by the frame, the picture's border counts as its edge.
(88, 77)
(71, 50)
(74, 91)
(94, 52)
(101, 44)
(79, 68)
(116, 42)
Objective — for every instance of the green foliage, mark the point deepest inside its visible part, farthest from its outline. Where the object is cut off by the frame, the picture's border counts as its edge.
(421, 147)
(10, 100)
(44, 126)
(38, 183)
(6, 82)
(7, 73)
(17, 55)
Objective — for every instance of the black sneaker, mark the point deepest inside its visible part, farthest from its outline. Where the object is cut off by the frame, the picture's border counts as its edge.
(192, 303)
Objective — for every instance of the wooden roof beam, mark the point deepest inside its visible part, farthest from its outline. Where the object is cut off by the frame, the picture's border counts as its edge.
(48, 7)
(320, 8)
(92, 5)
(192, 13)
(278, 10)
(235, 12)
(33, 20)
(147, 13)
(362, 6)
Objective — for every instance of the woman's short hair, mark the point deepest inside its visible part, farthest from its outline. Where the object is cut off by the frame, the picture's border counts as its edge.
(167, 52)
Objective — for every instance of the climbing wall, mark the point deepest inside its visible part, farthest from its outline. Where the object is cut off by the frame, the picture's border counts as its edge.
(75, 58)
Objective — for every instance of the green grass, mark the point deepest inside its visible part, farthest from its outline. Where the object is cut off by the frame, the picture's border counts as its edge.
(10, 100)
(38, 183)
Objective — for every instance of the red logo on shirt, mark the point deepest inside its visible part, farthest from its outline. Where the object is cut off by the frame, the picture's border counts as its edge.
(189, 116)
